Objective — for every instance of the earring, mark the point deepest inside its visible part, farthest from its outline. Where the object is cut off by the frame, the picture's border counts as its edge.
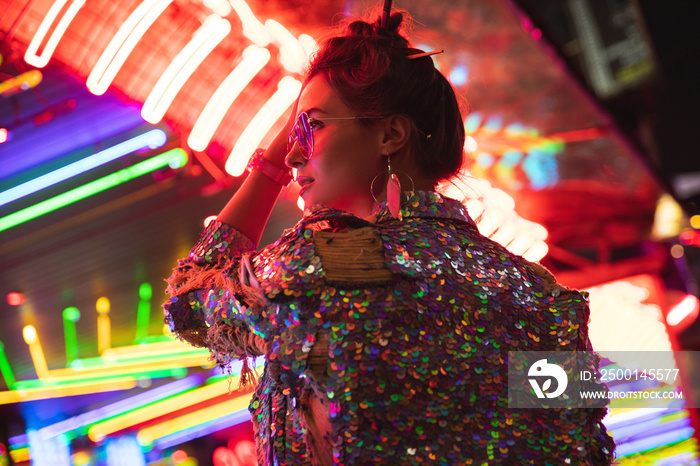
(393, 192)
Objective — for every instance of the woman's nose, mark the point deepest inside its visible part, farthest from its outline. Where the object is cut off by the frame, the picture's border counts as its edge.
(294, 158)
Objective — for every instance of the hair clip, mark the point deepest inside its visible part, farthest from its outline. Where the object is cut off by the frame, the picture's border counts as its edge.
(386, 13)
(424, 54)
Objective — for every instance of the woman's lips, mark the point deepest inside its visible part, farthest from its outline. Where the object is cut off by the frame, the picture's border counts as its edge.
(304, 183)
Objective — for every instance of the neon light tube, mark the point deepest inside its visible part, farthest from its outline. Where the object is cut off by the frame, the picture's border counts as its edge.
(153, 139)
(70, 316)
(5, 368)
(24, 81)
(288, 90)
(308, 43)
(253, 29)
(122, 406)
(32, 339)
(176, 157)
(649, 443)
(254, 59)
(205, 39)
(292, 54)
(150, 434)
(104, 325)
(152, 350)
(32, 394)
(69, 375)
(143, 315)
(40, 61)
(60, 382)
(123, 43)
(201, 430)
(161, 408)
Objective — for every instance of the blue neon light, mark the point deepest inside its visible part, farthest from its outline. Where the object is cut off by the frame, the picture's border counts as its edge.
(152, 139)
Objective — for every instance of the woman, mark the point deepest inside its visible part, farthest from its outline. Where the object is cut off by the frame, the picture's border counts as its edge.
(383, 315)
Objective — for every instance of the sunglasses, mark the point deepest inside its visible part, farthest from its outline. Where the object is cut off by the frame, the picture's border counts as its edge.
(303, 132)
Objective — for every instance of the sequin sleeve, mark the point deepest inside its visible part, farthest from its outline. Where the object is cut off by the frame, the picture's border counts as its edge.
(208, 303)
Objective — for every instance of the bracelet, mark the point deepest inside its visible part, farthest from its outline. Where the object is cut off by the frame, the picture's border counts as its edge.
(269, 169)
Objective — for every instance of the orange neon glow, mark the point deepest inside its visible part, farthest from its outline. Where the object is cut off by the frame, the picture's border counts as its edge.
(81, 388)
(152, 433)
(292, 54)
(32, 339)
(22, 82)
(3, 135)
(123, 43)
(205, 39)
(252, 28)
(288, 90)
(104, 332)
(254, 59)
(41, 60)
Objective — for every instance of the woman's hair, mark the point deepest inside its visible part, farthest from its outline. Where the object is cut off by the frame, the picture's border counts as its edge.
(368, 67)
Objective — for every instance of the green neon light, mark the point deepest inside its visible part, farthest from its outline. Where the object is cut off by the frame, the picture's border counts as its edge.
(143, 316)
(5, 368)
(176, 372)
(175, 158)
(70, 316)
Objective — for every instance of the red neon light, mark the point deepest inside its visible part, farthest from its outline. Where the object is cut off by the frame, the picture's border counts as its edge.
(3, 135)
(15, 299)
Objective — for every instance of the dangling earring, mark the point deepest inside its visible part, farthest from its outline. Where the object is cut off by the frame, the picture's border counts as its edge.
(393, 192)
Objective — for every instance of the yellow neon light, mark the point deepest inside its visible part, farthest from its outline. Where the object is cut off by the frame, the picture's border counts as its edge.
(152, 433)
(123, 43)
(40, 61)
(150, 350)
(20, 455)
(32, 339)
(81, 388)
(68, 374)
(213, 30)
(288, 90)
(103, 325)
(23, 81)
(99, 431)
(254, 59)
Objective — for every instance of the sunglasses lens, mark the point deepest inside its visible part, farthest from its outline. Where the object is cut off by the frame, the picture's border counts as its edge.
(302, 132)
(305, 134)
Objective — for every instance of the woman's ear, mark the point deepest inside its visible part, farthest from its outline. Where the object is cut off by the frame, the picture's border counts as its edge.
(397, 133)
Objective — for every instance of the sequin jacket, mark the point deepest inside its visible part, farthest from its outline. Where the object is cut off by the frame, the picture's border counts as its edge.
(386, 341)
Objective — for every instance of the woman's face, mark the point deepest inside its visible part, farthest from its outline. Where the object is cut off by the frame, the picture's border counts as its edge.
(346, 155)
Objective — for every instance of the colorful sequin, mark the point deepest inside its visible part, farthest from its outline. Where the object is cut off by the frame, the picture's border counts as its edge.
(416, 366)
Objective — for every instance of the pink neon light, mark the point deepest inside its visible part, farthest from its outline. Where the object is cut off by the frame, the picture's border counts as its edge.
(288, 90)
(40, 61)
(689, 306)
(123, 43)
(252, 28)
(292, 55)
(254, 59)
(204, 40)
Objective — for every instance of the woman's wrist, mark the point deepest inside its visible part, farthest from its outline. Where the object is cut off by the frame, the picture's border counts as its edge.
(278, 174)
